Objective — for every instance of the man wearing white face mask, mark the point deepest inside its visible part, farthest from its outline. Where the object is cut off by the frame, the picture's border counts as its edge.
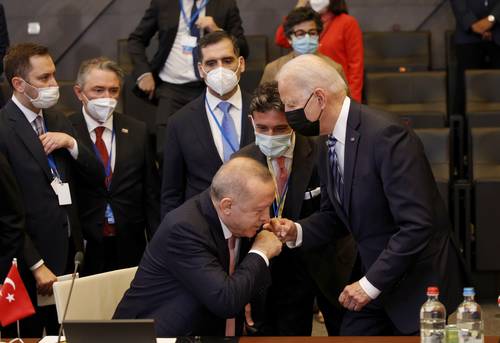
(297, 277)
(206, 132)
(118, 212)
(46, 159)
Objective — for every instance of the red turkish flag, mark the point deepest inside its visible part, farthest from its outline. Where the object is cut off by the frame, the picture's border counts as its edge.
(15, 303)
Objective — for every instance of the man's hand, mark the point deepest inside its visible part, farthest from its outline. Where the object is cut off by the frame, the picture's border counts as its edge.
(56, 140)
(268, 243)
(248, 315)
(207, 23)
(353, 297)
(44, 280)
(285, 229)
(481, 26)
(147, 85)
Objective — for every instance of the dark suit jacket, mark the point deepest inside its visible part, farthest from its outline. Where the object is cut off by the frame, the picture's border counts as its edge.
(190, 158)
(11, 218)
(46, 221)
(4, 37)
(134, 190)
(467, 12)
(395, 213)
(162, 16)
(182, 281)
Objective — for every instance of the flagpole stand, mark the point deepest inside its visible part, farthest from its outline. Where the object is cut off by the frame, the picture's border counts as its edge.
(18, 339)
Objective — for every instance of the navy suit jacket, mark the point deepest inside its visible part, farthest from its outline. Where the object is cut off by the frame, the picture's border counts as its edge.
(162, 16)
(183, 282)
(467, 12)
(395, 213)
(190, 158)
(133, 194)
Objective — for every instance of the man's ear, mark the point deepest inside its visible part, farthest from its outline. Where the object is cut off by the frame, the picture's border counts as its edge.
(78, 92)
(226, 205)
(200, 70)
(18, 84)
(242, 64)
(320, 95)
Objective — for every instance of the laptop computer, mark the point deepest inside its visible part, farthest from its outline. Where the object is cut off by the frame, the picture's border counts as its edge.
(105, 331)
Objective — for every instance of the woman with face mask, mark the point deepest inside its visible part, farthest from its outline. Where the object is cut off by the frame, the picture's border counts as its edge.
(341, 40)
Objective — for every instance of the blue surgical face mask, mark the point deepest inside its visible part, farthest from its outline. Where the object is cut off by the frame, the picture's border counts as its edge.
(273, 146)
(305, 45)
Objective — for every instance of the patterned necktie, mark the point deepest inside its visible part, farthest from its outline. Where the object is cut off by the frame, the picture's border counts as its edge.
(230, 142)
(103, 151)
(195, 32)
(39, 125)
(231, 244)
(282, 176)
(338, 180)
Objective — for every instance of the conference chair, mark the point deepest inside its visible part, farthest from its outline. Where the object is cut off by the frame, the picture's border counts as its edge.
(418, 97)
(397, 51)
(482, 105)
(94, 297)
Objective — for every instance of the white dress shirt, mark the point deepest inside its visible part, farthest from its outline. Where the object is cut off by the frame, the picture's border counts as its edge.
(339, 132)
(228, 234)
(31, 116)
(178, 67)
(107, 134)
(235, 112)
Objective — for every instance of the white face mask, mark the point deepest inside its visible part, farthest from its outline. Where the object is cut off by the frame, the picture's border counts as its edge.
(319, 5)
(273, 146)
(47, 96)
(222, 80)
(101, 108)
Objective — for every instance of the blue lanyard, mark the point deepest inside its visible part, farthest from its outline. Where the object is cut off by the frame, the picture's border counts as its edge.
(220, 127)
(190, 21)
(107, 169)
(277, 204)
(50, 158)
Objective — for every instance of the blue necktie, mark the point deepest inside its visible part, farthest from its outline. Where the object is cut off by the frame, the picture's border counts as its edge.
(195, 32)
(230, 142)
(338, 180)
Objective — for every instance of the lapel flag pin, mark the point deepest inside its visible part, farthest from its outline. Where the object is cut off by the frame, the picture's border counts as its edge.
(353, 139)
(124, 130)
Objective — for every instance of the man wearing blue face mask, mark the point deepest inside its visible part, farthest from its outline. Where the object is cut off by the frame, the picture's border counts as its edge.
(303, 26)
(118, 214)
(296, 276)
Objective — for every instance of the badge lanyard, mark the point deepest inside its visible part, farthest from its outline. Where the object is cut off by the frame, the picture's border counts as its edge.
(50, 158)
(190, 21)
(220, 127)
(107, 169)
(279, 199)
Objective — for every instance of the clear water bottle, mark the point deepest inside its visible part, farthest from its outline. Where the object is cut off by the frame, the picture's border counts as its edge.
(432, 318)
(469, 321)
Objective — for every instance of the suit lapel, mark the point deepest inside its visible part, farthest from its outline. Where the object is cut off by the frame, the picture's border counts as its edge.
(121, 134)
(28, 136)
(247, 132)
(351, 151)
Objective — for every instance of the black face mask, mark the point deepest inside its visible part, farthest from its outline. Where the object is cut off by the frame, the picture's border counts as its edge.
(299, 123)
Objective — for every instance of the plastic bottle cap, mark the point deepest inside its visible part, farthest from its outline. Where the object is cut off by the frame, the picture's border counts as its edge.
(469, 291)
(432, 291)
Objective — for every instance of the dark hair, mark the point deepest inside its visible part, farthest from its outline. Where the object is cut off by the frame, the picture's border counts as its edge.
(214, 38)
(299, 15)
(266, 98)
(17, 60)
(338, 7)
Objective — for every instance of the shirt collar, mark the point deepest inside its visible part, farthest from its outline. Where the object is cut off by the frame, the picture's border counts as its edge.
(227, 233)
(29, 114)
(235, 100)
(92, 124)
(339, 131)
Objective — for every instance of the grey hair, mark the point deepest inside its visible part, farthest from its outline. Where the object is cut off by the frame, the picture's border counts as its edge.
(232, 178)
(309, 72)
(101, 63)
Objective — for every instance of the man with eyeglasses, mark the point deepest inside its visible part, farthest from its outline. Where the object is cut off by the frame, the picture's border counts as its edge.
(303, 27)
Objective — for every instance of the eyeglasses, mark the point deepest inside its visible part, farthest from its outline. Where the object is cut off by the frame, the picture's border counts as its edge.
(302, 33)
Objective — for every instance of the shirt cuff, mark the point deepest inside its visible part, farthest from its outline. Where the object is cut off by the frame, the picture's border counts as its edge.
(298, 241)
(37, 265)
(261, 254)
(143, 76)
(74, 150)
(369, 289)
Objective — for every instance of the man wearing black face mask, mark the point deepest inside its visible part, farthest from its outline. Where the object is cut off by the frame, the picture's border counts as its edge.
(44, 157)
(377, 183)
(119, 213)
(206, 132)
(297, 276)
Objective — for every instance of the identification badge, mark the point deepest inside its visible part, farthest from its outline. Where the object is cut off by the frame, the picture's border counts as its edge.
(110, 217)
(62, 191)
(188, 43)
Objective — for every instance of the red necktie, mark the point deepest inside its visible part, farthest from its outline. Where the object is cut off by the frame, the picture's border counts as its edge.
(231, 244)
(282, 175)
(109, 229)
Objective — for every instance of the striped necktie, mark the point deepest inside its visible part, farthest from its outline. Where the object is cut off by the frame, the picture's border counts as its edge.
(338, 180)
